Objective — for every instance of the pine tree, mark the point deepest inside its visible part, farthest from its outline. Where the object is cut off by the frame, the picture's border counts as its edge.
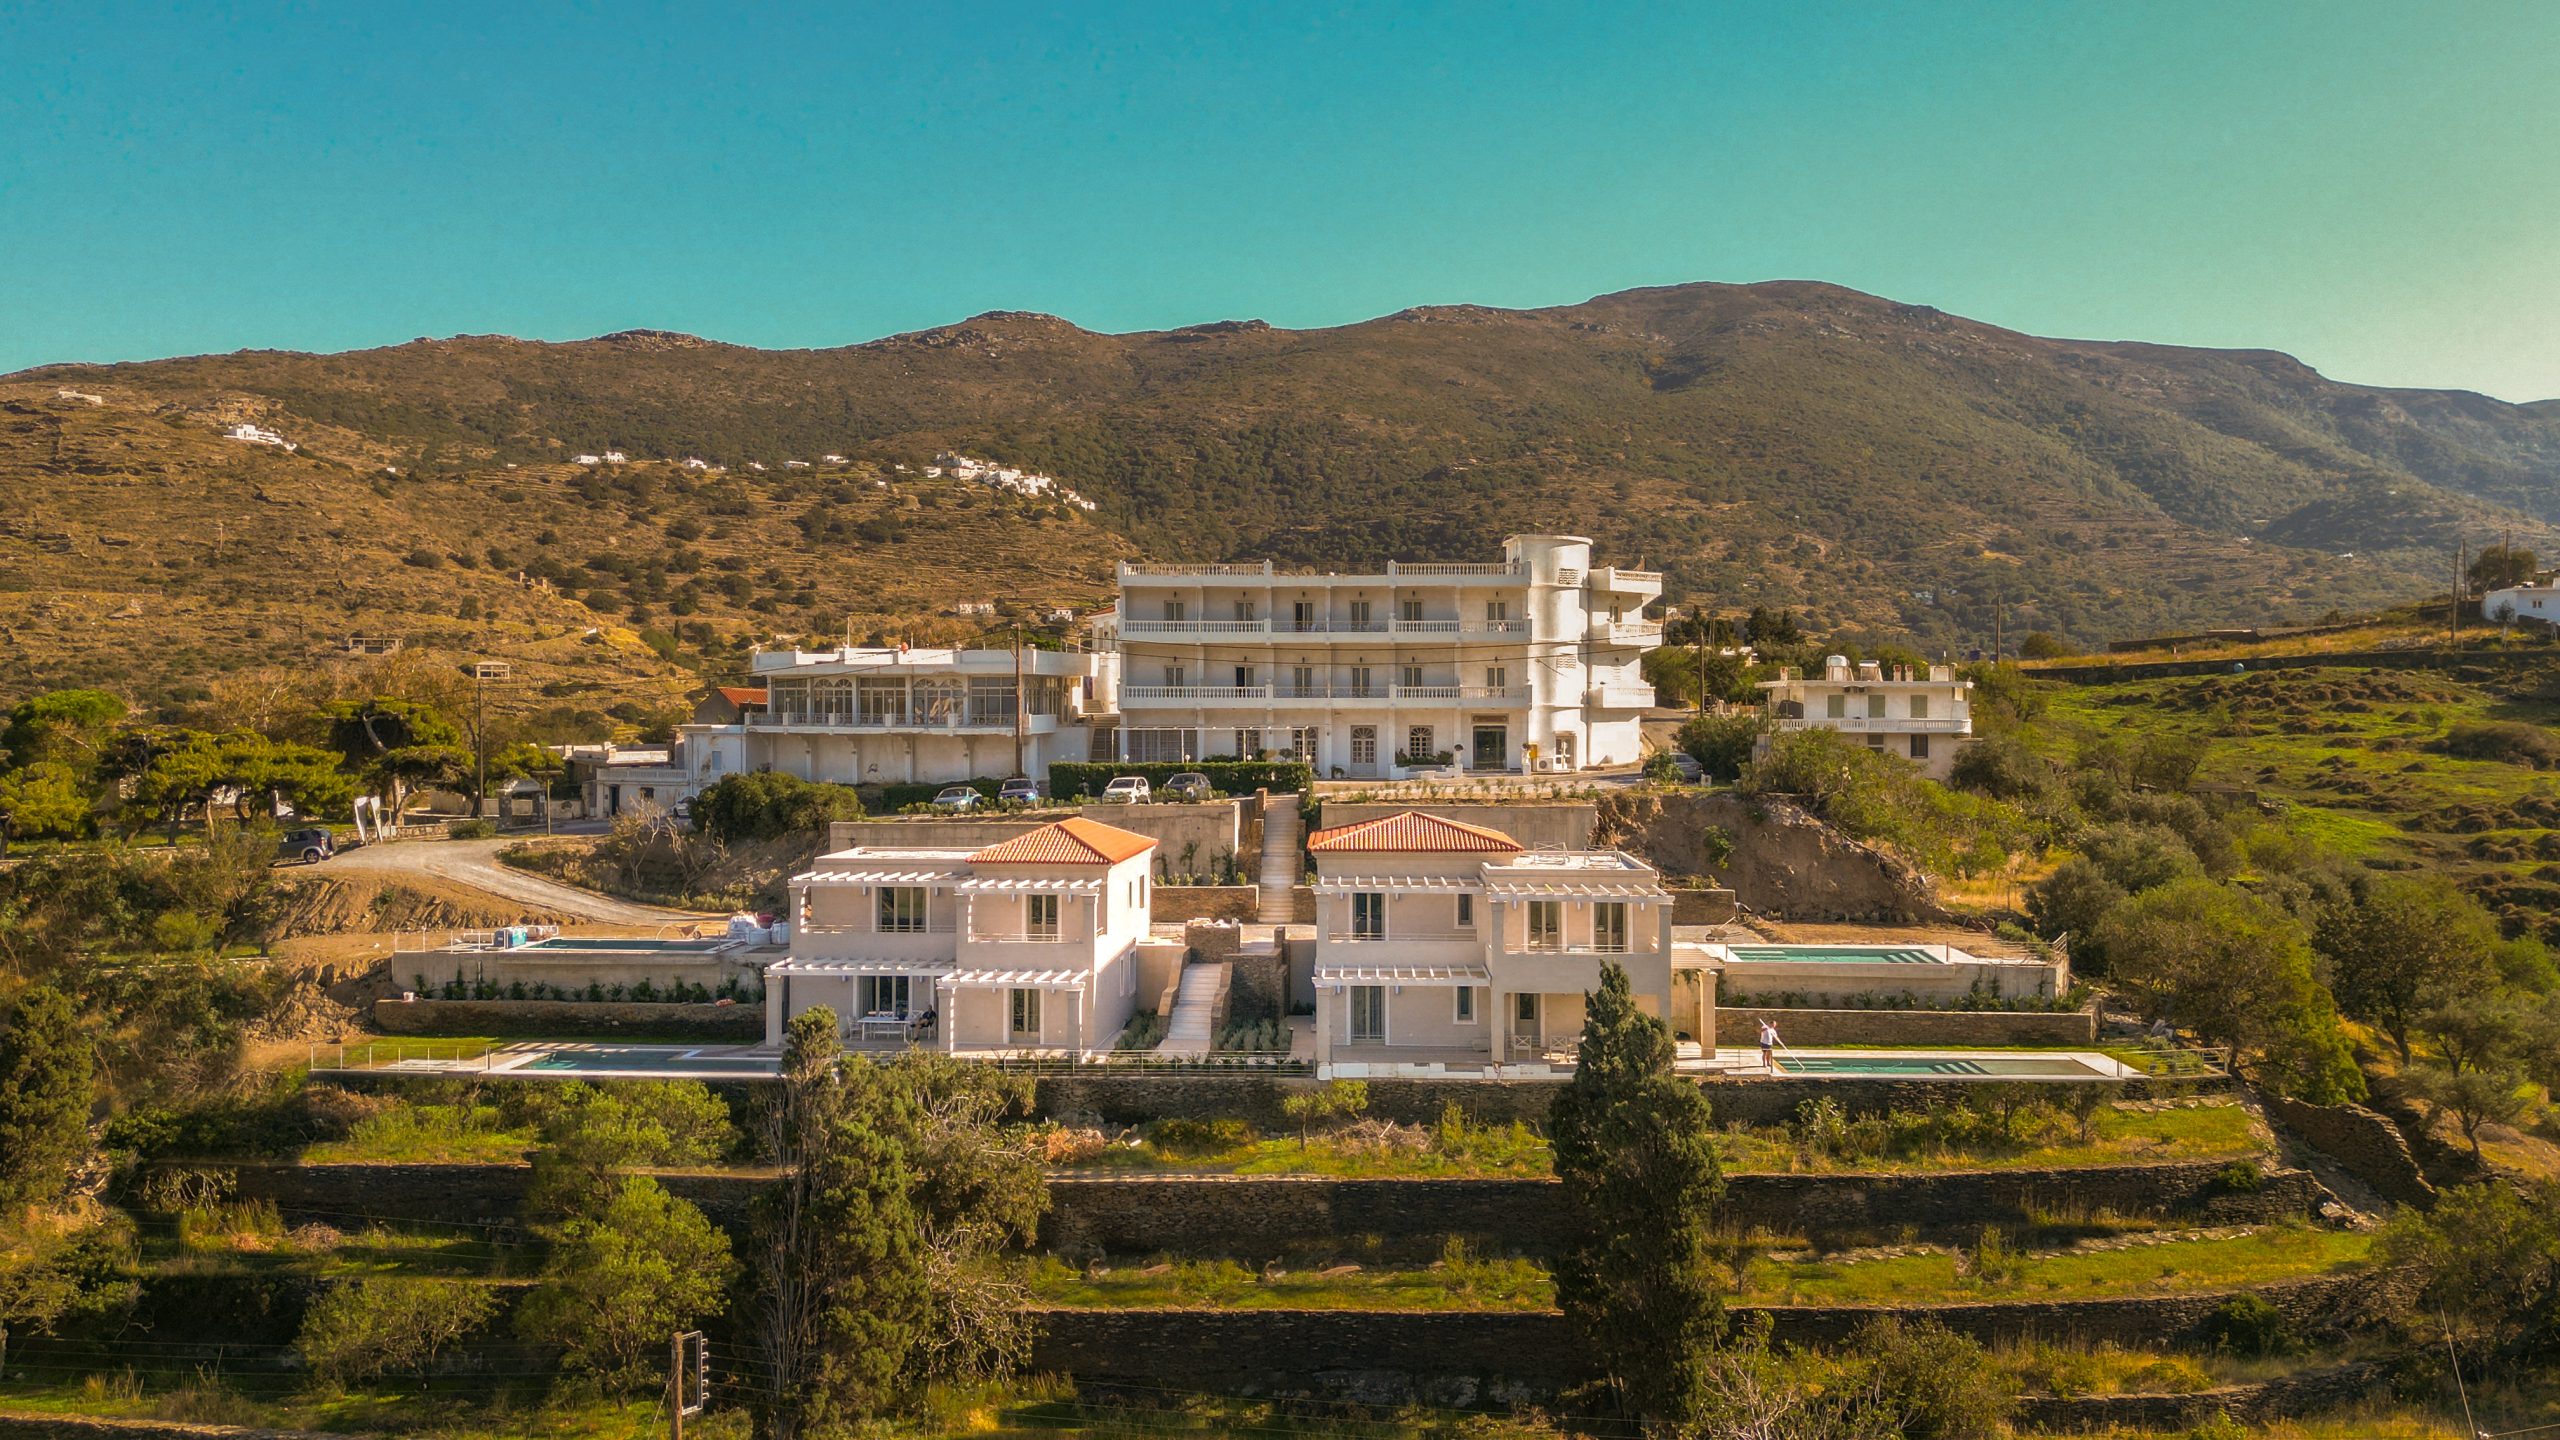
(47, 1085)
(1639, 1278)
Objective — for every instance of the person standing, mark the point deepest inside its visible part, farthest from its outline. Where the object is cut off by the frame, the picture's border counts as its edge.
(1768, 1045)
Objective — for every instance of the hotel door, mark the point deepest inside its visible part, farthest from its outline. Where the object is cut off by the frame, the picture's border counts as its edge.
(1368, 1012)
(1493, 748)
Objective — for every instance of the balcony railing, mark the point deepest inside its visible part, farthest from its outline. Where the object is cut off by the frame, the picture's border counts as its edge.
(1051, 938)
(976, 717)
(1248, 629)
(1195, 627)
(1881, 724)
(1425, 570)
(1627, 632)
(1623, 697)
(1326, 693)
(1404, 937)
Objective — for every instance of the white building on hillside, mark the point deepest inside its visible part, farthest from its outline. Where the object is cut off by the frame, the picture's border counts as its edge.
(2532, 600)
(876, 715)
(1438, 941)
(1529, 663)
(1029, 944)
(1921, 718)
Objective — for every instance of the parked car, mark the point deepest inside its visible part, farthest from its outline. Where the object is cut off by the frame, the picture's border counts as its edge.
(1126, 790)
(1691, 772)
(956, 797)
(1189, 785)
(1021, 788)
(307, 847)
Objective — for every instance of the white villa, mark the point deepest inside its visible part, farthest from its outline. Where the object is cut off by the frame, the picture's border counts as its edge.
(1030, 944)
(2532, 600)
(1530, 663)
(1438, 941)
(889, 715)
(1900, 713)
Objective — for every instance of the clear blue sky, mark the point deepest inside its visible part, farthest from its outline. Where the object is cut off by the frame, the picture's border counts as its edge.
(2375, 187)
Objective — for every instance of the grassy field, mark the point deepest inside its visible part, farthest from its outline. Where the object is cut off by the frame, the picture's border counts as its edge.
(2165, 1266)
(1460, 1281)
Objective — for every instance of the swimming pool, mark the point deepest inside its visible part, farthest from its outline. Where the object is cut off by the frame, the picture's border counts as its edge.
(702, 1061)
(627, 943)
(2071, 1065)
(1835, 955)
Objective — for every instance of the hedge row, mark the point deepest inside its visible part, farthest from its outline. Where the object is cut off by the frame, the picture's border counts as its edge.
(1231, 777)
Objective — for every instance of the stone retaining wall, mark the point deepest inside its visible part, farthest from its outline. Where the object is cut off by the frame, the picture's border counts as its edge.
(1709, 906)
(1262, 1218)
(740, 1023)
(1476, 1357)
(2364, 1141)
(84, 1427)
(1170, 903)
(1806, 1028)
(2258, 1403)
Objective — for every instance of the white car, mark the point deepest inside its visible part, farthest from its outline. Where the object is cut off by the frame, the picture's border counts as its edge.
(1126, 790)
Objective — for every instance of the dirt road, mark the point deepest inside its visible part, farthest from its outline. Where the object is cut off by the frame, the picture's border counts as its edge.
(474, 863)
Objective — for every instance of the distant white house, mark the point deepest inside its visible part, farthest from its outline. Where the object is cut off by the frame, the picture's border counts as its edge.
(833, 459)
(258, 435)
(1923, 718)
(1029, 484)
(795, 464)
(2533, 600)
(609, 457)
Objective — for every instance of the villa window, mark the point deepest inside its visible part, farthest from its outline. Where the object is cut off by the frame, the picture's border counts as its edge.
(1418, 746)
(1465, 1012)
(1174, 610)
(1466, 912)
(1368, 1012)
(1369, 915)
(883, 995)
(1302, 615)
(1836, 706)
(1364, 744)
(902, 908)
(1410, 677)
(1524, 1008)
(1359, 614)
(1609, 928)
(1919, 707)
(1359, 679)
(1410, 610)
(1022, 1018)
(1040, 917)
(1875, 707)
(1919, 747)
(1546, 924)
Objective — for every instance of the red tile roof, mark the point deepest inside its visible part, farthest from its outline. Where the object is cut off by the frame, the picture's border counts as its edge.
(743, 694)
(1411, 830)
(1075, 841)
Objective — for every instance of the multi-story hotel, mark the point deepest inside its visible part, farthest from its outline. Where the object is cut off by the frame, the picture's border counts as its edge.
(1900, 712)
(1530, 663)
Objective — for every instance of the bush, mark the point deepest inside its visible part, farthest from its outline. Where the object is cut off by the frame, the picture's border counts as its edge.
(1185, 1137)
(1929, 1383)
(471, 830)
(2248, 1325)
(365, 1328)
(1722, 744)
(767, 804)
(1227, 777)
(2512, 741)
(2240, 1177)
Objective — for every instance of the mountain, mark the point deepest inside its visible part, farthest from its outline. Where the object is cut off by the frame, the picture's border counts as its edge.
(1884, 466)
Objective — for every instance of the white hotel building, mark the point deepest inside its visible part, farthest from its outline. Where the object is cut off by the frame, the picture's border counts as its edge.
(1529, 663)
(1923, 718)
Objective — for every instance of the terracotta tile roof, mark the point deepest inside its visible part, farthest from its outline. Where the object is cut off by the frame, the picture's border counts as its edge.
(1411, 830)
(1075, 841)
(743, 694)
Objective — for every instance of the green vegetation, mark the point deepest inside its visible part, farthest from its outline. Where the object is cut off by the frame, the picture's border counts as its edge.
(1990, 1270)
(769, 805)
(1460, 1280)
(362, 1329)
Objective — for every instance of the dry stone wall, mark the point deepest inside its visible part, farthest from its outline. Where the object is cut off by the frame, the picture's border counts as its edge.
(553, 1018)
(2364, 1141)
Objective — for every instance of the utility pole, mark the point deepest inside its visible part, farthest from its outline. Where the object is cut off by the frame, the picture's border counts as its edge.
(678, 1406)
(1999, 617)
(479, 739)
(2453, 612)
(1021, 705)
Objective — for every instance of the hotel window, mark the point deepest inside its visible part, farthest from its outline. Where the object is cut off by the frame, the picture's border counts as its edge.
(1369, 915)
(1919, 707)
(1359, 614)
(1173, 609)
(1409, 610)
(1410, 677)
(1465, 1013)
(1546, 924)
(1302, 681)
(902, 908)
(1302, 615)
(1524, 1007)
(1040, 916)
(1417, 745)
(1875, 707)
(1497, 612)
(1359, 679)
(1609, 928)
(1245, 610)
(1176, 675)
(1244, 677)
(1364, 744)
(1497, 677)
(1836, 706)
(1919, 747)
(1466, 912)
(1022, 1022)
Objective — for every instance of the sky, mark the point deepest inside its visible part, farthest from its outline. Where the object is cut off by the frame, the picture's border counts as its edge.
(2372, 187)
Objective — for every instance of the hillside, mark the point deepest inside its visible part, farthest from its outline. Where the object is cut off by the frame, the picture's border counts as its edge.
(1886, 466)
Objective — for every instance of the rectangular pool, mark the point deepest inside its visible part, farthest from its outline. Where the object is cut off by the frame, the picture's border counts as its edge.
(1987, 1066)
(696, 1061)
(627, 944)
(1835, 955)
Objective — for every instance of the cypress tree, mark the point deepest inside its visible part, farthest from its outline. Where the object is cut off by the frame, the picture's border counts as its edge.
(1639, 1278)
(47, 1085)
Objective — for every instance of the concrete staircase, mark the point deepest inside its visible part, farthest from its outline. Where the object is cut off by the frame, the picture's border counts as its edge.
(1280, 828)
(1191, 1028)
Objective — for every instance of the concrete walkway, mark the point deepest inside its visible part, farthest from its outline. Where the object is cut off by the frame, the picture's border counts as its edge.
(1280, 826)
(1186, 1031)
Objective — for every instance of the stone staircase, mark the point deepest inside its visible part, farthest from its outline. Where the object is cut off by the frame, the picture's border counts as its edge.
(1191, 1028)
(1280, 827)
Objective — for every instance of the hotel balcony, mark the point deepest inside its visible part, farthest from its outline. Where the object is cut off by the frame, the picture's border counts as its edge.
(974, 721)
(1394, 570)
(1319, 630)
(1880, 724)
(1182, 695)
